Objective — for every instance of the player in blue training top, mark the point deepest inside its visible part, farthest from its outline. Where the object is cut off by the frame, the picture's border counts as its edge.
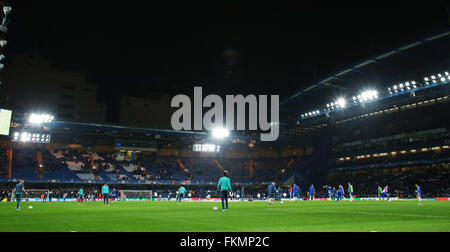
(330, 193)
(271, 193)
(385, 193)
(312, 193)
(296, 192)
(340, 193)
(419, 192)
(20, 188)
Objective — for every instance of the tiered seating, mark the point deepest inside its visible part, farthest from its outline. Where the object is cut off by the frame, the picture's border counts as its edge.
(86, 176)
(72, 165)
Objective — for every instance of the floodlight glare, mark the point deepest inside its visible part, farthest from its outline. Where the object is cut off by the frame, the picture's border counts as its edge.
(40, 118)
(341, 102)
(220, 133)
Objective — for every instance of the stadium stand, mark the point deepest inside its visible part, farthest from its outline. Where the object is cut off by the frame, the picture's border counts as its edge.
(76, 166)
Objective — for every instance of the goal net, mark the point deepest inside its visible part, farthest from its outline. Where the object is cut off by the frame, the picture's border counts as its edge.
(34, 195)
(136, 195)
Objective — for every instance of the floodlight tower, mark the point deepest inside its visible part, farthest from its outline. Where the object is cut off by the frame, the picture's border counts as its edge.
(5, 12)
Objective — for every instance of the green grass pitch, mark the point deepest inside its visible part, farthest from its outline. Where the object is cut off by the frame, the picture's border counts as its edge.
(429, 216)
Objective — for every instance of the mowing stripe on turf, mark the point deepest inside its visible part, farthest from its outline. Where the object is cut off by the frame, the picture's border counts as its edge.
(388, 214)
(362, 213)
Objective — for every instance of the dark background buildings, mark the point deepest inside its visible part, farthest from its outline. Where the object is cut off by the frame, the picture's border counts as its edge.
(144, 53)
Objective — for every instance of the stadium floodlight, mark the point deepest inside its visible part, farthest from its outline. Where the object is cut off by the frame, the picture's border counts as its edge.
(207, 148)
(16, 136)
(38, 119)
(220, 133)
(2, 57)
(341, 103)
(7, 10)
(3, 43)
(27, 137)
(444, 78)
(434, 79)
(367, 96)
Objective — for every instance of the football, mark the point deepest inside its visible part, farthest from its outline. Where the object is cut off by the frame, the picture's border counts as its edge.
(215, 208)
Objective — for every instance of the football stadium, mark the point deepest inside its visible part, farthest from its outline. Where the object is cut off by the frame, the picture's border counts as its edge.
(360, 146)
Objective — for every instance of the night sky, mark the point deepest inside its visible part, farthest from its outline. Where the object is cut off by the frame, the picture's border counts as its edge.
(227, 48)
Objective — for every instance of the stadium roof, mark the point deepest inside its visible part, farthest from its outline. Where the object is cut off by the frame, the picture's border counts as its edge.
(405, 62)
